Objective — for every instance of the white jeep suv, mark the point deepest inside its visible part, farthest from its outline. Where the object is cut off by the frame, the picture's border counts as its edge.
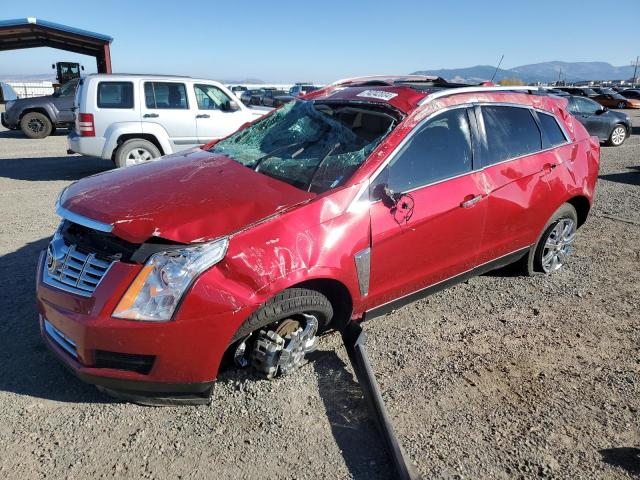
(135, 118)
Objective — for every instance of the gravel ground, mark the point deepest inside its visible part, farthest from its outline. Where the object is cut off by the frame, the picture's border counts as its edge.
(500, 377)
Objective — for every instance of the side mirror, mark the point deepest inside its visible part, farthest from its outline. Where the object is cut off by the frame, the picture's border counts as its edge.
(602, 110)
(231, 106)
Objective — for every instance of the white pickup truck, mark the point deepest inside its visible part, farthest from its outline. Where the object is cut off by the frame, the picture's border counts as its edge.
(135, 118)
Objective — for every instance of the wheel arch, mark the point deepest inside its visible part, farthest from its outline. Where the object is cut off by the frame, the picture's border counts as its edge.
(42, 110)
(582, 206)
(142, 136)
(338, 295)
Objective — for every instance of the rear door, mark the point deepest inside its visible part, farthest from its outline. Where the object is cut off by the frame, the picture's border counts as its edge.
(167, 105)
(214, 118)
(434, 231)
(586, 111)
(514, 173)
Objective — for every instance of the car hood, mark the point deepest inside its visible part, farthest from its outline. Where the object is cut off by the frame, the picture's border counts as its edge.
(189, 197)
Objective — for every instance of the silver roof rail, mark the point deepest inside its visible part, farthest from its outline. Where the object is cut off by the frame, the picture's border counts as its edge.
(479, 89)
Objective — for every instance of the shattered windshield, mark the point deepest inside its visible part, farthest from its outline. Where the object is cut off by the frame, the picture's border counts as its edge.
(311, 146)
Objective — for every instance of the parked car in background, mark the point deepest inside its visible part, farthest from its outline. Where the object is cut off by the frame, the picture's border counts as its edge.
(38, 117)
(609, 126)
(7, 93)
(320, 213)
(273, 98)
(613, 99)
(132, 119)
(631, 94)
(246, 96)
(300, 89)
(238, 89)
(579, 91)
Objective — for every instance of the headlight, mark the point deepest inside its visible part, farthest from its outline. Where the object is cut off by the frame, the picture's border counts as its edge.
(8, 105)
(158, 288)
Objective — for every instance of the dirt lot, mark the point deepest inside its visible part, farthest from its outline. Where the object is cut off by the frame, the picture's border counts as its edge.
(500, 377)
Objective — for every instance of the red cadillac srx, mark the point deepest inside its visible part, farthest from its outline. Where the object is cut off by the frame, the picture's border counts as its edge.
(343, 205)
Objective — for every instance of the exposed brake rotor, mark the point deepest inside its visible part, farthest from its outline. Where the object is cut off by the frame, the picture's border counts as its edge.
(282, 350)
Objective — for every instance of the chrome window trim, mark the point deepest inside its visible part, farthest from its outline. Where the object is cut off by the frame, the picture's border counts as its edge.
(82, 220)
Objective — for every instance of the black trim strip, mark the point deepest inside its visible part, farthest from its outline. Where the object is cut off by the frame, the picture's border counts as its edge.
(417, 295)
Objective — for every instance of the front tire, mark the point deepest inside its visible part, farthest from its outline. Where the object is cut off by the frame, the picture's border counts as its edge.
(555, 244)
(622, 105)
(134, 152)
(618, 136)
(36, 125)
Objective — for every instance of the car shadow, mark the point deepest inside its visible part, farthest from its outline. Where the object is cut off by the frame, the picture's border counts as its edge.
(630, 178)
(52, 168)
(635, 130)
(28, 368)
(352, 427)
(627, 458)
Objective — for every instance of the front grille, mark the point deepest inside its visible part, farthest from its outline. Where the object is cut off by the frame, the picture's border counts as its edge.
(73, 270)
(61, 339)
(125, 361)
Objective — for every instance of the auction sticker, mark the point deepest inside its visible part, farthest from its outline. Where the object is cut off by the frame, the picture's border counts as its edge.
(380, 95)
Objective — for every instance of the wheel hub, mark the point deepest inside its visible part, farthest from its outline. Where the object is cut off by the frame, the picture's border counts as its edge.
(281, 351)
(558, 246)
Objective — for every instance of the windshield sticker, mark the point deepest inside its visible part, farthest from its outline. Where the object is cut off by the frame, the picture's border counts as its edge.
(380, 95)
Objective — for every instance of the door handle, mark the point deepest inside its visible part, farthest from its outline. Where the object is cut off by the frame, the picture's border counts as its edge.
(548, 167)
(203, 115)
(470, 201)
(150, 115)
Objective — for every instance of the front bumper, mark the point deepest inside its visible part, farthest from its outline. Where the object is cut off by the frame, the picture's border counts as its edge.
(186, 352)
(8, 121)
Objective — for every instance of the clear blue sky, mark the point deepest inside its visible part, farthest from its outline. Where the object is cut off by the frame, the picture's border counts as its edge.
(324, 40)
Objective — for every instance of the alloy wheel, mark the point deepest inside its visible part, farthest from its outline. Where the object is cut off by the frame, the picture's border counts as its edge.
(36, 125)
(618, 135)
(138, 155)
(558, 245)
(621, 105)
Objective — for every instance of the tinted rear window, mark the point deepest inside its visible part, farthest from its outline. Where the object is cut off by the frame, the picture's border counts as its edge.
(115, 95)
(552, 132)
(165, 95)
(511, 132)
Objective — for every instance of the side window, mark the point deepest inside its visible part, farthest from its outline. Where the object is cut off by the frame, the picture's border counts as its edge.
(552, 131)
(440, 149)
(115, 95)
(511, 132)
(210, 97)
(165, 95)
(584, 105)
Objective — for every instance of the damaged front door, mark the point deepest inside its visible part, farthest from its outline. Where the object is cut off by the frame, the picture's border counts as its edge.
(428, 210)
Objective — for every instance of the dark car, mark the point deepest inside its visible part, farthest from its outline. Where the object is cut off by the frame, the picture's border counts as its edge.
(246, 96)
(274, 98)
(610, 127)
(38, 117)
(633, 94)
(579, 91)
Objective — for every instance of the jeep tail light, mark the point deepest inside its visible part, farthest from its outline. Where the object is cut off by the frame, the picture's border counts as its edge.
(86, 127)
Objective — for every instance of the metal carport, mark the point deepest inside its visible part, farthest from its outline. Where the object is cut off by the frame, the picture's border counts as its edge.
(31, 33)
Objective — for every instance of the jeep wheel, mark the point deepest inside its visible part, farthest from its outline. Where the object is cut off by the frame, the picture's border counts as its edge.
(555, 245)
(135, 151)
(618, 136)
(277, 336)
(36, 125)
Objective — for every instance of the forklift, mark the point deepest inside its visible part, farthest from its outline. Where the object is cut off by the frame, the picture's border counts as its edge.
(66, 71)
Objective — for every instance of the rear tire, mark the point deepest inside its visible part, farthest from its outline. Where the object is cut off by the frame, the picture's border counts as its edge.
(622, 105)
(618, 136)
(135, 151)
(537, 260)
(36, 125)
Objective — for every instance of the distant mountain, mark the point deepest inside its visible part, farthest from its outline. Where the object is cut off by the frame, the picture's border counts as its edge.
(537, 72)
